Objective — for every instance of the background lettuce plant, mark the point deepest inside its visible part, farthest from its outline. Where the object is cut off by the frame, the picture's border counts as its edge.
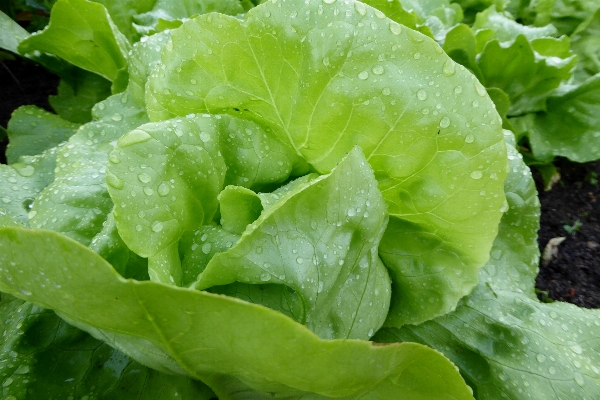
(302, 199)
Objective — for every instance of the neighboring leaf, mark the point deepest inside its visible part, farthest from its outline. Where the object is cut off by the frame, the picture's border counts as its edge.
(328, 256)
(324, 85)
(11, 33)
(168, 10)
(536, 12)
(461, 45)
(585, 42)
(21, 182)
(569, 128)
(524, 76)
(213, 337)
(77, 202)
(122, 13)
(51, 359)
(567, 15)
(82, 33)
(77, 96)
(31, 130)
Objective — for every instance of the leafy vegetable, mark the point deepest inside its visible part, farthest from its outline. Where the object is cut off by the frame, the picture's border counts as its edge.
(296, 199)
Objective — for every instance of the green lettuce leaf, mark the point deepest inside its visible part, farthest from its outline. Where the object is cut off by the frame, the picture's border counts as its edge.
(328, 256)
(213, 337)
(83, 33)
(77, 95)
(77, 202)
(21, 183)
(324, 85)
(11, 33)
(43, 357)
(569, 128)
(31, 130)
(506, 343)
(585, 42)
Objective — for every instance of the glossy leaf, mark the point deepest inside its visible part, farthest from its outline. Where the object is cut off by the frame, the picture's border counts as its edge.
(367, 85)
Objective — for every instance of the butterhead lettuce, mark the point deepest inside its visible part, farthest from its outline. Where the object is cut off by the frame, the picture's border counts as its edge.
(294, 200)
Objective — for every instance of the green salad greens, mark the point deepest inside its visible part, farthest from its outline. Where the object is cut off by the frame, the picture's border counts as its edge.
(300, 199)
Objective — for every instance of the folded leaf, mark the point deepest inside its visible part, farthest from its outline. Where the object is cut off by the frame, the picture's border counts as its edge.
(324, 250)
(83, 33)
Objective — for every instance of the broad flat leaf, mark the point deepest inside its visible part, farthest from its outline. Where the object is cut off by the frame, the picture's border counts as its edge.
(506, 343)
(569, 128)
(461, 45)
(77, 96)
(49, 359)
(31, 130)
(324, 250)
(82, 33)
(526, 76)
(21, 183)
(77, 202)
(213, 336)
(585, 42)
(326, 77)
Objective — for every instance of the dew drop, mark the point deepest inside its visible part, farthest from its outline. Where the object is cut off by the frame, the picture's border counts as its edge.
(395, 28)
(449, 68)
(24, 170)
(117, 117)
(579, 379)
(148, 191)
(541, 358)
(445, 122)
(422, 95)
(163, 189)
(265, 277)
(206, 247)
(469, 138)
(113, 158)
(363, 75)
(326, 61)
(138, 228)
(360, 8)
(458, 89)
(329, 1)
(134, 137)
(476, 174)
(479, 89)
(157, 227)
(25, 292)
(114, 181)
(144, 177)
(377, 70)
(386, 91)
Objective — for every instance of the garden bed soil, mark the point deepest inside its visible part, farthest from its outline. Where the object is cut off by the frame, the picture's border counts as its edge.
(569, 210)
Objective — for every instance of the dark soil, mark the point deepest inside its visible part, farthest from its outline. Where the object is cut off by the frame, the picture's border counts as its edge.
(573, 276)
(571, 210)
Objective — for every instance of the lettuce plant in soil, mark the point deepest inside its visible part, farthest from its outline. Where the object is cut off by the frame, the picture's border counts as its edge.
(300, 200)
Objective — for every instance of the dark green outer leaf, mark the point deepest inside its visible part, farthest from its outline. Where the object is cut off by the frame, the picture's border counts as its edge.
(31, 130)
(42, 357)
